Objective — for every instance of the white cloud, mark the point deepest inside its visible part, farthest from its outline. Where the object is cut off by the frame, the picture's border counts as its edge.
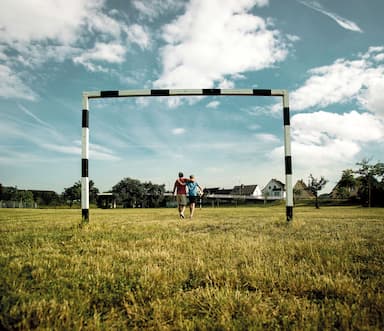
(111, 53)
(325, 143)
(11, 86)
(62, 21)
(178, 131)
(293, 38)
(103, 24)
(98, 152)
(42, 137)
(324, 126)
(36, 118)
(213, 104)
(327, 139)
(341, 82)
(3, 56)
(343, 22)
(38, 31)
(34, 20)
(73, 150)
(138, 35)
(233, 42)
(335, 83)
(379, 57)
(372, 97)
(225, 84)
(34, 55)
(266, 138)
(151, 9)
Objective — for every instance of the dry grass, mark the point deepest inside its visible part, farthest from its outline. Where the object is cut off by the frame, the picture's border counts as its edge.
(229, 269)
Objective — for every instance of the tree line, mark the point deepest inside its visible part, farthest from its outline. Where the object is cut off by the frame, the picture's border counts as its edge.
(364, 185)
(128, 192)
(14, 197)
(368, 180)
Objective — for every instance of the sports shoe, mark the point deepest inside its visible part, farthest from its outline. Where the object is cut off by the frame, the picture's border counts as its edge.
(182, 215)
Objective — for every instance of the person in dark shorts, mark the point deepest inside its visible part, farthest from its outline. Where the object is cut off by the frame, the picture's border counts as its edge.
(194, 192)
(180, 189)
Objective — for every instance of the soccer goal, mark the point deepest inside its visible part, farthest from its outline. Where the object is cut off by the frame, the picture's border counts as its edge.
(181, 92)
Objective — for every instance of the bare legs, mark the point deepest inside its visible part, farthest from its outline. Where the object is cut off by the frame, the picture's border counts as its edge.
(181, 210)
(191, 209)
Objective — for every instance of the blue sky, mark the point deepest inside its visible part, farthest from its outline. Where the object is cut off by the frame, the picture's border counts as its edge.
(328, 54)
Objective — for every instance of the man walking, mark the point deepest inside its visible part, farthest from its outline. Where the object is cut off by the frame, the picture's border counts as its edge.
(179, 188)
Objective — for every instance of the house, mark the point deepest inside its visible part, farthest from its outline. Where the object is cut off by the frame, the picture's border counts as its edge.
(301, 191)
(211, 190)
(235, 195)
(274, 190)
(243, 191)
(247, 190)
(217, 191)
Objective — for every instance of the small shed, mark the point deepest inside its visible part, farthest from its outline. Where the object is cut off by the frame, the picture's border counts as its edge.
(106, 200)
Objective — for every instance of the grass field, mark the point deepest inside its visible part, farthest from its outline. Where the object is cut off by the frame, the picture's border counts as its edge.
(228, 269)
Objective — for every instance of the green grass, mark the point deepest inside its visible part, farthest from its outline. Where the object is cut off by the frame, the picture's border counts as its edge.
(228, 269)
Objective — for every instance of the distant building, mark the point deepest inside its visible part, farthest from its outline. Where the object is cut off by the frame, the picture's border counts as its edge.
(274, 190)
(247, 190)
(301, 191)
(211, 190)
(106, 200)
(217, 191)
(240, 193)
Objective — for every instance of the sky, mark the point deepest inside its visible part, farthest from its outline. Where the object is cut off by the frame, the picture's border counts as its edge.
(328, 54)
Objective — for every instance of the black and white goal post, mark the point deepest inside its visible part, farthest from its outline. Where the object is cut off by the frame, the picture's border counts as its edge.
(182, 92)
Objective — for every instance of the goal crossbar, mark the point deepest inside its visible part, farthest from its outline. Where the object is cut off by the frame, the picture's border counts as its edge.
(182, 92)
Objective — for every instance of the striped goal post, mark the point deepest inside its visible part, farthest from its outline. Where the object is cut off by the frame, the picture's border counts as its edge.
(182, 92)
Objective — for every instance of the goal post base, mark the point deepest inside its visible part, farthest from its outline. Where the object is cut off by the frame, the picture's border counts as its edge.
(85, 216)
(289, 213)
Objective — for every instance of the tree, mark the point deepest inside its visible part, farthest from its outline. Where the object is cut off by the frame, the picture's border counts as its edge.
(20, 198)
(46, 198)
(129, 192)
(132, 193)
(346, 185)
(72, 193)
(10, 193)
(154, 195)
(93, 191)
(315, 185)
(25, 198)
(369, 180)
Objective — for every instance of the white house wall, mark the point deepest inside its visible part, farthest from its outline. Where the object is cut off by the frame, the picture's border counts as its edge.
(274, 194)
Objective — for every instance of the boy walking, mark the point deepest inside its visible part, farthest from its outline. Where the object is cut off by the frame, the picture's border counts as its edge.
(194, 190)
(179, 188)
